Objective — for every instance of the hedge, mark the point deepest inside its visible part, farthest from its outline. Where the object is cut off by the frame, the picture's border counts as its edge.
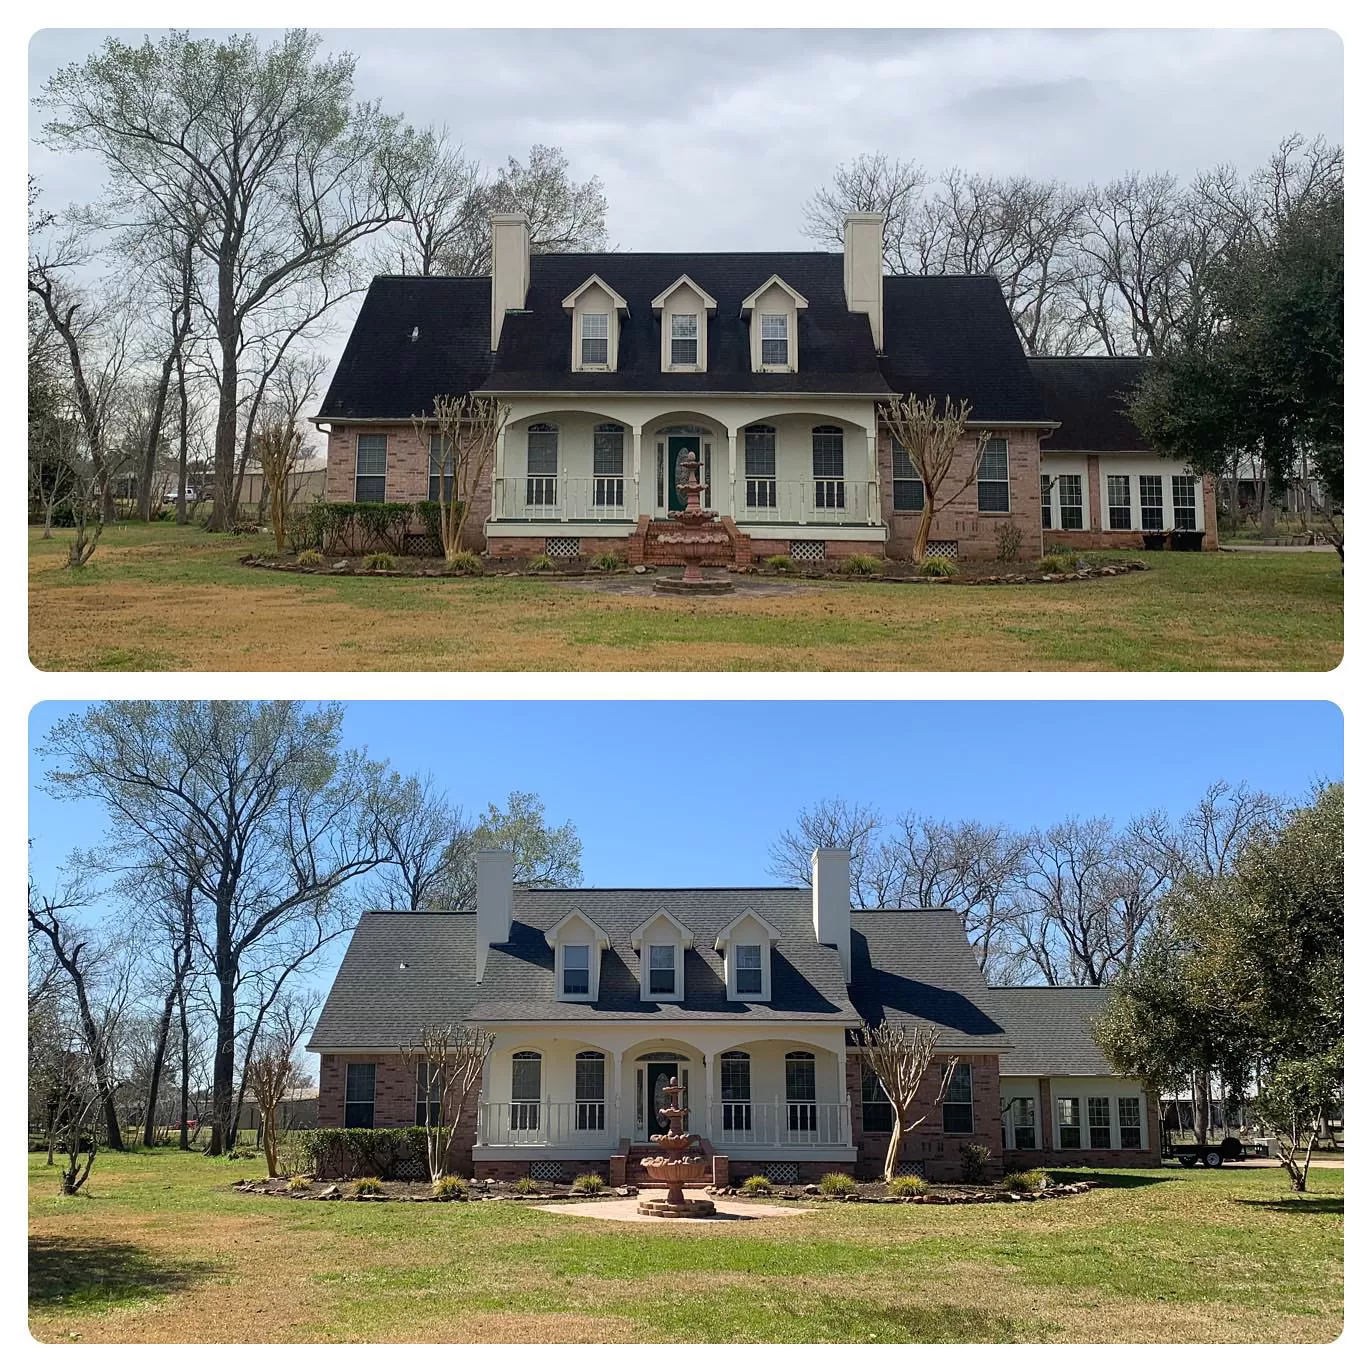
(364, 1152)
(349, 526)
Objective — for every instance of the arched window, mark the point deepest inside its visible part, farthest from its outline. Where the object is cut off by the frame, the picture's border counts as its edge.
(826, 455)
(607, 465)
(800, 1093)
(760, 466)
(526, 1090)
(590, 1091)
(736, 1091)
(541, 474)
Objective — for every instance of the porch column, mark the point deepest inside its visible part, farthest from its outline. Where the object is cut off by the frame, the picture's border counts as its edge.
(498, 483)
(638, 510)
(619, 1052)
(873, 479)
(709, 1056)
(483, 1097)
(732, 435)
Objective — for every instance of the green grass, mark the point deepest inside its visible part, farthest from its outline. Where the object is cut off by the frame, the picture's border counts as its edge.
(163, 1250)
(162, 598)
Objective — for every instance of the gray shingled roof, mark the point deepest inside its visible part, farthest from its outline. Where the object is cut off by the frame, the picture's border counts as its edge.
(1051, 1028)
(916, 967)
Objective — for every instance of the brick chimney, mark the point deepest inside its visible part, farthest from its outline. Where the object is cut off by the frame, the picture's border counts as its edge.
(509, 269)
(494, 902)
(862, 268)
(831, 901)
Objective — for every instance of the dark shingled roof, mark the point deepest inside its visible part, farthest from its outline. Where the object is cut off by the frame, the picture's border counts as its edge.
(1088, 395)
(953, 336)
(916, 967)
(1052, 1030)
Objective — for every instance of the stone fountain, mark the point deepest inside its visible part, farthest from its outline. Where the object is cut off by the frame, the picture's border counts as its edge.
(680, 1161)
(699, 533)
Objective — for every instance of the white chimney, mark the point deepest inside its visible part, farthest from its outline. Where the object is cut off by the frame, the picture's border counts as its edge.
(832, 909)
(494, 902)
(862, 268)
(509, 269)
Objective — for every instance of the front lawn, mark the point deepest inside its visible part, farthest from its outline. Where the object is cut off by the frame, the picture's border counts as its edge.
(161, 598)
(163, 1250)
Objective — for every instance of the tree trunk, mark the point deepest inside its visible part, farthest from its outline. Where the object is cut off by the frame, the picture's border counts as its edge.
(226, 423)
(182, 441)
(184, 1141)
(221, 1108)
(159, 411)
(1269, 509)
(1201, 1106)
(159, 1057)
(893, 1148)
(926, 521)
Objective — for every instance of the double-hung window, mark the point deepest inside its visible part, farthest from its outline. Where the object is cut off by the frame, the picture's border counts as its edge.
(877, 1115)
(1183, 502)
(826, 454)
(957, 1101)
(907, 487)
(576, 969)
(371, 468)
(595, 340)
(661, 969)
(993, 478)
(1069, 500)
(359, 1095)
(1150, 503)
(1098, 1120)
(590, 1091)
(736, 1091)
(1117, 498)
(439, 460)
(540, 485)
(1069, 1122)
(801, 1110)
(748, 969)
(1131, 1122)
(760, 466)
(776, 346)
(526, 1091)
(685, 340)
(607, 465)
(428, 1094)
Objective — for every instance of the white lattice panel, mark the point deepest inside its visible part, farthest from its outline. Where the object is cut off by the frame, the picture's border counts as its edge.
(942, 547)
(564, 547)
(782, 1173)
(807, 550)
(545, 1169)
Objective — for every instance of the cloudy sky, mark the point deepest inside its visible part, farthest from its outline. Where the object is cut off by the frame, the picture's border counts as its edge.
(712, 140)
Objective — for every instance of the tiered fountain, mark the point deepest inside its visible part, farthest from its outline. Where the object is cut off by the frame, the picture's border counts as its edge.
(681, 1161)
(699, 533)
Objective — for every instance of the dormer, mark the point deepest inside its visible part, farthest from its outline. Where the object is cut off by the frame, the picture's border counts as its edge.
(661, 942)
(595, 308)
(746, 943)
(684, 310)
(577, 943)
(773, 313)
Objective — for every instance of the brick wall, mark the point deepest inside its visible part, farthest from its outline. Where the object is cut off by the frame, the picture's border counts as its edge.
(929, 1145)
(959, 519)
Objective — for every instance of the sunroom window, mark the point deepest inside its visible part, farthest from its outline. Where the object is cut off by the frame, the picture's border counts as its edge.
(1117, 494)
(1150, 503)
(1183, 502)
(1069, 500)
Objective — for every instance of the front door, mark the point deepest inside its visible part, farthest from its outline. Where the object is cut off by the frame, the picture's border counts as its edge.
(676, 445)
(655, 1077)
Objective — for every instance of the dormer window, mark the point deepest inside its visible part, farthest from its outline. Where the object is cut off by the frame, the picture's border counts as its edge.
(776, 348)
(576, 969)
(661, 942)
(595, 340)
(685, 332)
(773, 312)
(748, 969)
(577, 943)
(684, 310)
(746, 943)
(662, 969)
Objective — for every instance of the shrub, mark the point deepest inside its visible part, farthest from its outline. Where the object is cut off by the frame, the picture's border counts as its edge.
(607, 562)
(1032, 1179)
(907, 1186)
(974, 1159)
(430, 513)
(298, 1183)
(383, 524)
(589, 1183)
(527, 1186)
(241, 1154)
(367, 1186)
(244, 525)
(309, 557)
(359, 1152)
(300, 530)
(860, 566)
(1057, 550)
(541, 562)
(937, 565)
(836, 1184)
(779, 563)
(450, 1189)
(466, 563)
(1009, 537)
(757, 1186)
(1057, 562)
(379, 562)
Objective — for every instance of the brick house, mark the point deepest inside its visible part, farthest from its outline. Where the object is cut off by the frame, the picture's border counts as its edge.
(771, 367)
(751, 996)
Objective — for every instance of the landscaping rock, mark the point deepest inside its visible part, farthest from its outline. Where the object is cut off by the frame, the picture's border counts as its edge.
(812, 1190)
(640, 569)
(330, 1193)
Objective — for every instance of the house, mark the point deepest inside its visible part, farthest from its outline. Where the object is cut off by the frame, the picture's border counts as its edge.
(751, 997)
(297, 1109)
(771, 367)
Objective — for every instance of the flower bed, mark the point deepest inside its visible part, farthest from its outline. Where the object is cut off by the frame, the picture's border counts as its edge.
(939, 1193)
(322, 1188)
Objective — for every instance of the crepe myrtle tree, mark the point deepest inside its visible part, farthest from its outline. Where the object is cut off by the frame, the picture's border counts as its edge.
(899, 1057)
(468, 428)
(930, 437)
(447, 1062)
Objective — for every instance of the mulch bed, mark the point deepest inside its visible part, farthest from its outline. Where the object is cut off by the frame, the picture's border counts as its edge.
(973, 574)
(874, 1193)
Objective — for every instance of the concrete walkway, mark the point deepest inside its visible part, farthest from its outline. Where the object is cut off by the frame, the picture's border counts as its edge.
(727, 1208)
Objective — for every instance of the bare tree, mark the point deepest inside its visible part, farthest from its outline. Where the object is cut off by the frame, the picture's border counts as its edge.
(66, 1072)
(278, 449)
(447, 1063)
(931, 441)
(833, 824)
(872, 183)
(443, 216)
(467, 428)
(428, 843)
(900, 1057)
(272, 1072)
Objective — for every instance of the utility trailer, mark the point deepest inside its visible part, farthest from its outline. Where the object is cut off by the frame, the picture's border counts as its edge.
(1214, 1154)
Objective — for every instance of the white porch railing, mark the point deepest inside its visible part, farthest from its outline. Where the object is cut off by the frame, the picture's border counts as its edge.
(789, 1123)
(819, 500)
(566, 498)
(539, 1123)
